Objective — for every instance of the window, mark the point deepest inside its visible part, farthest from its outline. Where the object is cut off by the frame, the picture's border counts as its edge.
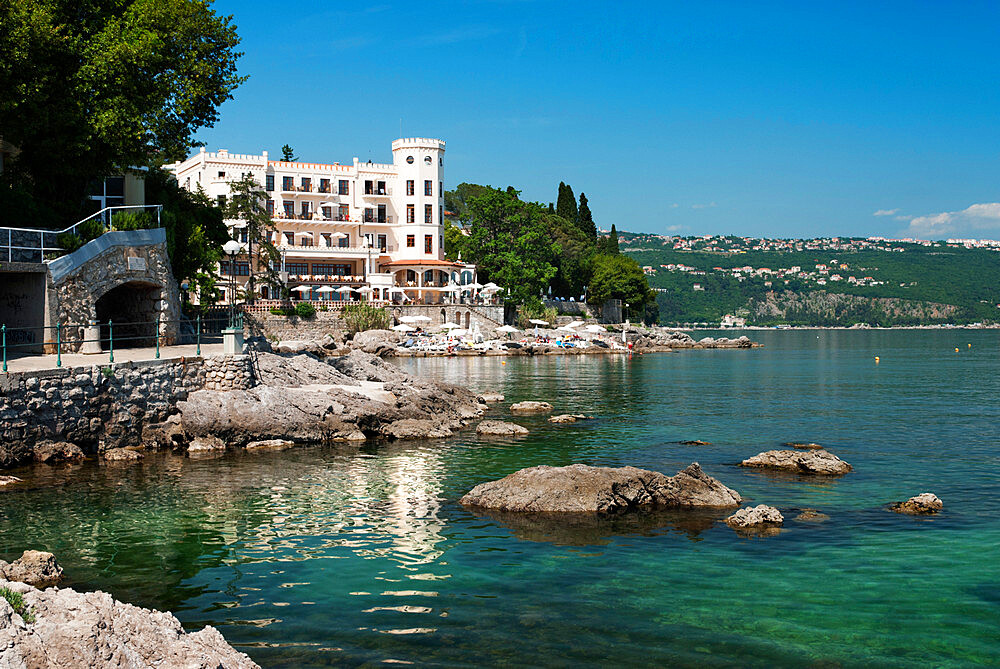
(428, 243)
(343, 212)
(440, 189)
(222, 175)
(369, 215)
(380, 188)
(297, 267)
(305, 210)
(343, 187)
(289, 208)
(327, 212)
(242, 268)
(428, 187)
(369, 187)
(322, 268)
(383, 243)
(289, 238)
(428, 213)
(287, 183)
(409, 160)
(269, 183)
(221, 201)
(306, 184)
(344, 242)
(441, 242)
(409, 187)
(380, 214)
(411, 216)
(324, 185)
(428, 160)
(270, 208)
(411, 241)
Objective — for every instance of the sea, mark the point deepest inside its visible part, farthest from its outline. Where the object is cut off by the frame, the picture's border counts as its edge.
(362, 556)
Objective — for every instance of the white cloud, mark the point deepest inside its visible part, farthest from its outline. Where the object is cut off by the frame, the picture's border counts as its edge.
(886, 212)
(674, 228)
(703, 206)
(674, 205)
(983, 216)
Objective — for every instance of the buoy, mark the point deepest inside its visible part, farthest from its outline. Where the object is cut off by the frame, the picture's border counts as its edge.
(969, 345)
(503, 362)
(876, 359)
(956, 349)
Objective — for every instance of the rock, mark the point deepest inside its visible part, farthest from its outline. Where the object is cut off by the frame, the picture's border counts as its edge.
(121, 455)
(270, 445)
(7, 480)
(581, 488)
(695, 442)
(923, 504)
(70, 629)
(36, 568)
(368, 367)
(376, 342)
(490, 397)
(500, 428)
(811, 516)
(810, 462)
(298, 346)
(58, 451)
(206, 443)
(755, 516)
(803, 445)
(569, 418)
(531, 407)
(415, 428)
(331, 343)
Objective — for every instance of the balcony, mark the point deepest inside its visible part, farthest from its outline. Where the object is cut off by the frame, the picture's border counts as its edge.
(323, 189)
(375, 218)
(375, 191)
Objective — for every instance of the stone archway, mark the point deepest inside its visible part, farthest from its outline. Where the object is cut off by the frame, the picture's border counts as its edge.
(132, 309)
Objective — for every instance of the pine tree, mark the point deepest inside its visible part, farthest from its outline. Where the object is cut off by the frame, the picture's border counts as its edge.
(566, 203)
(288, 154)
(586, 220)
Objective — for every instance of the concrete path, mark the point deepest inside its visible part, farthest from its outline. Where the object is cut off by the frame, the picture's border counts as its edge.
(34, 363)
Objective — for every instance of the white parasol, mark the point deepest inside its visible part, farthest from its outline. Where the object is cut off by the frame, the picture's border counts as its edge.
(403, 327)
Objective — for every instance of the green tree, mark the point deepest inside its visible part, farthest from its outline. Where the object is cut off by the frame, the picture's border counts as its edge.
(454, 241)
(511, 245)
(104, 85)
(609, 245)
(566, 203)
(576, 252)
(288, 154)
(246, 204)
(456, 202)
(586, 219)
(618, 277)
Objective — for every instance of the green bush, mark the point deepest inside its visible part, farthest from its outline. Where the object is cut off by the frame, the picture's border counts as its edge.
(16, 601)
(89, 230)
(69, 242)
(305, 310)
(526, 312)
(361, 317)
(282, 311)
(132, 220)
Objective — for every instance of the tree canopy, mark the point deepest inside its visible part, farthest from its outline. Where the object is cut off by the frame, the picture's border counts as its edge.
(288, 154)
(618, 277)
(94, 87)
(585, 219)
(566, 203)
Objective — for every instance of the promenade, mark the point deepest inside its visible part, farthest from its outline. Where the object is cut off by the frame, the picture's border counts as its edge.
(35, 363)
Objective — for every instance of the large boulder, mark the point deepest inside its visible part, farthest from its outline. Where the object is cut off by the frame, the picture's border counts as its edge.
(57, 451)
(7, 480)
(581, 488)
(121, 455)
(923, 504)
(270, 445)
(376, 342)
(299, 346)
(489, 397)
(569, 418)
(530, 407)
(808, 462)
(500, 428)
(61, 628)
(36, 568)
(415, 428)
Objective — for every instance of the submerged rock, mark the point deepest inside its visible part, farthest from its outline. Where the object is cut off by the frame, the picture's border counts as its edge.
(500, 428)
(923, 504)
(581, 488)
(803, 445)
(66, 629)
(58, 451)
(7, 480)
(36, 568)
(270, 445)
(812, 516)
(809, 462)
(530, 407)
(695, 442)
(206, 443)
(569, 418)
(490, 397)
(416, 428)
(752, 517)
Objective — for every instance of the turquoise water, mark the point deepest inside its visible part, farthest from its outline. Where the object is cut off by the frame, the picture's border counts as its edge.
(342, 556)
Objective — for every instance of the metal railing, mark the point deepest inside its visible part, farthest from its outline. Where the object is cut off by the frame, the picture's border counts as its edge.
(110, 333)
(31, 244)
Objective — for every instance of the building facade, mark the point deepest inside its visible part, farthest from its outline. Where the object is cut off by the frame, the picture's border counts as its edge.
(343, 231)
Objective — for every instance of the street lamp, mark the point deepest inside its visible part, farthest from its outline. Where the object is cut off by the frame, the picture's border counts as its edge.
(231, 248)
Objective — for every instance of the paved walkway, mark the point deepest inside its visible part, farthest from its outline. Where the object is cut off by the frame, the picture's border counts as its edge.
(34, 363)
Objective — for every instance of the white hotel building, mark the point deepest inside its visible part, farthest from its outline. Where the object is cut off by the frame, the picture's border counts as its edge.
(337, 226)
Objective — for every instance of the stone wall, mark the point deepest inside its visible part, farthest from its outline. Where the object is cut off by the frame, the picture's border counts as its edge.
(104, 406)
(285, 328)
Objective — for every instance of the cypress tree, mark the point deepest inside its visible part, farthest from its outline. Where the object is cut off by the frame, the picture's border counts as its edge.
(586, 220)
(566, 203)
(613, 242)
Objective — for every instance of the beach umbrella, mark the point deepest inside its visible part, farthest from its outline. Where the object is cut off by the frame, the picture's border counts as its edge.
(338, 235)
(403, 327)
(421, 319)
(507, 329)
(537, 321)
(365, 289)
(345, 289)
(325, 289)
(574, 324)
(302, 289)
(408, 319)
(458, 332)
(596, 328)
(450, 326)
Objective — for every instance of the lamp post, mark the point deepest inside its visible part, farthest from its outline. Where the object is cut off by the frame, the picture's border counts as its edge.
(231, 248)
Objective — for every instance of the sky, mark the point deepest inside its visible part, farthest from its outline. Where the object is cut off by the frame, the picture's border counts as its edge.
(765, 119)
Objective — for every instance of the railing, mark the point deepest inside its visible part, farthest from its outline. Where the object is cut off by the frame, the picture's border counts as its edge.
(378, 219)
(112, 333)
(378, 191)
(31, 245)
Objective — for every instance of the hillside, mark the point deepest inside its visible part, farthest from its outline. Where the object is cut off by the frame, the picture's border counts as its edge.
(794, 281)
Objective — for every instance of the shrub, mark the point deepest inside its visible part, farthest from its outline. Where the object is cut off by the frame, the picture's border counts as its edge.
(305, 310)
(69, 242)
(89, 230)
(132, 220)
(526, 312)
(361, 317)
(279, 311)
(16, 601)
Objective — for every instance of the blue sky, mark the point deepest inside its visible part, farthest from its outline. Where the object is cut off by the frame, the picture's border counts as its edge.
(776, 119)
